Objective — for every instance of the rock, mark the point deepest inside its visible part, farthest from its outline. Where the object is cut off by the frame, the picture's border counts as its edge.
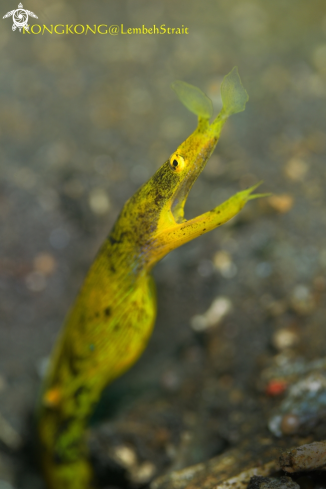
(143, 473)
(284, 338)
(219, 308)
(233, 469)
(6, 472)
(281, 203)
(258, 482)
(303, 408)
(8, 435)
(307, 457)
(296, 169)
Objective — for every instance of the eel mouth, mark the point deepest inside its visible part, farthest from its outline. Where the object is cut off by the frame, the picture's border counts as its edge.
(179, 199)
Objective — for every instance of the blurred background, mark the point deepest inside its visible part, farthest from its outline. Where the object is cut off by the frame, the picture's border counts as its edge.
(84, 121)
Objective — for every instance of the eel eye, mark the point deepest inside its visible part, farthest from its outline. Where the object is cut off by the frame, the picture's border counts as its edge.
(177, 162)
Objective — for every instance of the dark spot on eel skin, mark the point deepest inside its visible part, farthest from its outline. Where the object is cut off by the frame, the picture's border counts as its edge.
(57, 459)
(204, 229)
(113, 240)
(107, 311)
(158, 198)
(71, 362)
(75, 449)
(219, 212)
(79, 391)
(116, 327)
(64, 425)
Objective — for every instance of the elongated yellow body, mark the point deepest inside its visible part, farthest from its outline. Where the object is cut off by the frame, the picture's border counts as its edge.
(111, 321)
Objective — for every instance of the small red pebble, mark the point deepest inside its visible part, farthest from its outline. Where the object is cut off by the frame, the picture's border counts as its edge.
(276, 387)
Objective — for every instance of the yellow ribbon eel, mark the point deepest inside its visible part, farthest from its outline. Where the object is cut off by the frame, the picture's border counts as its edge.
(112, 319)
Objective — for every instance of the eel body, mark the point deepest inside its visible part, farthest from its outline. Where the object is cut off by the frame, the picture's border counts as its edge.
(112, 318)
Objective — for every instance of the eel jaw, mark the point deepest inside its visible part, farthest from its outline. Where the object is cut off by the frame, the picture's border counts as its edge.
(173, 234)
(179, 201)
(180, 196)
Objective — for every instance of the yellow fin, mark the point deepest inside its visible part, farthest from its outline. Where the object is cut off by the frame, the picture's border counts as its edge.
(233, 93)
(194, 99)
